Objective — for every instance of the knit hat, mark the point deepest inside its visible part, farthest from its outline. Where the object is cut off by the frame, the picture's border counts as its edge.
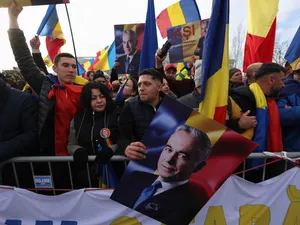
(198, 73)
(233, 71)
(98, 74)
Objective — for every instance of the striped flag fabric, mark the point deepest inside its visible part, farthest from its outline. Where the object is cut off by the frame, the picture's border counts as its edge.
(293, 52)
(215, 64)
(260, 38)
(150, 44)
(182, 12)
(86, 65)
(81, 70)
(50, 27)
(48, 62)
(105, 59)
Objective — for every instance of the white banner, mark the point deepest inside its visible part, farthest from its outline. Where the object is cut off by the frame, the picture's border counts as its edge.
(94, 207)
(272, 202)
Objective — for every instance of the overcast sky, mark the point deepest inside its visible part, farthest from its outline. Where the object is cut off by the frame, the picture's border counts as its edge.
(93, 22)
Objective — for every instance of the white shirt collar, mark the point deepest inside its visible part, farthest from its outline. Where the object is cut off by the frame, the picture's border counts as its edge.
(168, 185)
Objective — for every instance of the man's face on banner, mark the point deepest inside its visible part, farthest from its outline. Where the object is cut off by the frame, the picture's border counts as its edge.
(204, 28)
(179, 158)
(129, 42)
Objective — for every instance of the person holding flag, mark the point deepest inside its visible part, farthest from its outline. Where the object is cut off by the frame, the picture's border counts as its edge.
(58, 102)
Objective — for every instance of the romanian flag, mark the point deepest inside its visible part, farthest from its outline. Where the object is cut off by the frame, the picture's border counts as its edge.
(150, 44)
(80, 68)
(50, 27)
(86, 65)
(293, 53)
(48, 62)
(107, 175)
(105, 59)
(182, 12)
(260, 39)
(215, 64)
(268, 131)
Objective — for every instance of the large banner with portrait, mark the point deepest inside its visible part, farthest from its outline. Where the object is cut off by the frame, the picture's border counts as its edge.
(129, 42)
(6, 3)
(189, 157)
(187, 40)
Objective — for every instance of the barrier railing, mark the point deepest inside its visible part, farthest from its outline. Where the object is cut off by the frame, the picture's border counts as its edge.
(49, 160)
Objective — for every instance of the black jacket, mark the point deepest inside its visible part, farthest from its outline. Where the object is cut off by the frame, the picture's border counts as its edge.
(88, 125)
(134, 121)
(18, 123)
(40, 83)
(244, 98)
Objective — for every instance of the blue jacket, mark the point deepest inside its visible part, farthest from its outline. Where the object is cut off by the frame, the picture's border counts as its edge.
(290, 117)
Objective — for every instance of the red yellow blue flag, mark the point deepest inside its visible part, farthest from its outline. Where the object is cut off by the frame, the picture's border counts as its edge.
(215, 64)
(50, 27)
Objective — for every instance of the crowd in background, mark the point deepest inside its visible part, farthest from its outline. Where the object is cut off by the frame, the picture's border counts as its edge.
(43, 114)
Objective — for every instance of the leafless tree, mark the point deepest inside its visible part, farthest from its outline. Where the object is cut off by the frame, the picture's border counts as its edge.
(237, 45)
(280, 49)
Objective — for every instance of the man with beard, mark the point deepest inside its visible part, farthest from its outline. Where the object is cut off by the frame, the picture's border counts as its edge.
(259, 98)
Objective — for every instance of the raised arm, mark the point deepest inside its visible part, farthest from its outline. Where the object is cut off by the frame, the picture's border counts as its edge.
(23, 57)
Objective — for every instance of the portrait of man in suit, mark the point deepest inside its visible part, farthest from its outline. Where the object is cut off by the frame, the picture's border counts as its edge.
(129, 63)
(167, 197)
(204, 28)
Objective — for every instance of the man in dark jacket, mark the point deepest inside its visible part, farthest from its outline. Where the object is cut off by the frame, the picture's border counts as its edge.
(138, 112)
(269, 80)
(48, 92)
(288, 105)
(18, 123)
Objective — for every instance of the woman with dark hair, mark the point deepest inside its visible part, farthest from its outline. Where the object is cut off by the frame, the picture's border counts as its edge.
(94, 130)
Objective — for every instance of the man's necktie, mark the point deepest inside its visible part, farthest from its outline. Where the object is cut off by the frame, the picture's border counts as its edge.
(127, 64)
(147, 193)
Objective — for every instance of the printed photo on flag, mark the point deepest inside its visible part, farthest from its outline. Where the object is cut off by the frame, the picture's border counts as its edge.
(6, 3)
(187, 40)
(129, 41)
(189, 157)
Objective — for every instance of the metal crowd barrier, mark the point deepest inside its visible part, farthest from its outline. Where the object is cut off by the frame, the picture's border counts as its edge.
(69, 159)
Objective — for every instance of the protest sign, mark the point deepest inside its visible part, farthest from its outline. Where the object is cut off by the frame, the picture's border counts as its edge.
(180, 142)
(187, 40)
(129, 41)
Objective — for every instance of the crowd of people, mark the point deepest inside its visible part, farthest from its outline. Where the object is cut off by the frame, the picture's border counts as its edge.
(42, 114)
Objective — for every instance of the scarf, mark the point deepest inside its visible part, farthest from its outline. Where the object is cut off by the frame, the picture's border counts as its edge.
(67, 103)
(268, 130)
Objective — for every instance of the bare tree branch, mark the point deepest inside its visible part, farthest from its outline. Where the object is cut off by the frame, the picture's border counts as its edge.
(236, 50)
(280, 49)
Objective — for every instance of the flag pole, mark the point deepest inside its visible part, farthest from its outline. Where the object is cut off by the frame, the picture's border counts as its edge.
(72, 36)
